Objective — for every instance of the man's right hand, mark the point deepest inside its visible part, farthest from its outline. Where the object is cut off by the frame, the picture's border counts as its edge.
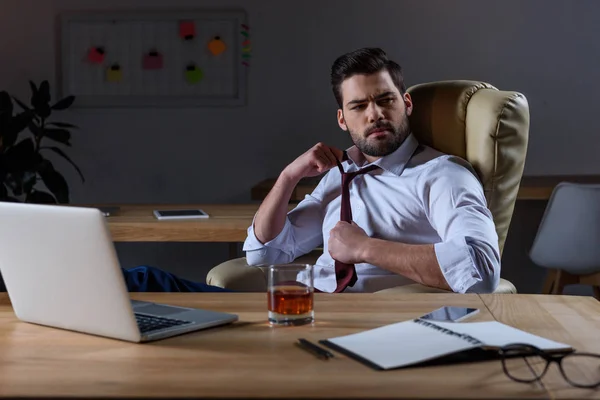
(317, 160)
(271, 215)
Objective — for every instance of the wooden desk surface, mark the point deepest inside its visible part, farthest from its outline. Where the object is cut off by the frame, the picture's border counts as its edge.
(136, 223)
(250, 359)
(532, 187)
(567, 319)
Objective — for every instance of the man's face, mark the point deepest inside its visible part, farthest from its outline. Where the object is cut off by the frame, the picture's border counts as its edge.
(374, 113)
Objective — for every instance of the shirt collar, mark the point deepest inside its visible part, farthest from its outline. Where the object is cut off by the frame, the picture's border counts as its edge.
(394, 162)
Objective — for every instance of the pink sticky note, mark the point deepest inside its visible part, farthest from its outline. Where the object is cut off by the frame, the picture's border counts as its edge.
(152, 60)
(96, 55)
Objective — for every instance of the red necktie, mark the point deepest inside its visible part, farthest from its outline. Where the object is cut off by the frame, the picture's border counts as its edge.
(345, 274)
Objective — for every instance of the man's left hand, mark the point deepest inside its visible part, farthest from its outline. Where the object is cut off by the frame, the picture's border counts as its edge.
(346, 243)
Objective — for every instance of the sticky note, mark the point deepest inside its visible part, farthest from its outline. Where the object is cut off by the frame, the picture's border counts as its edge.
(114, 73)
(187, 30)
(152, 60)
(193, 74)
(216, 46)
(96, 55)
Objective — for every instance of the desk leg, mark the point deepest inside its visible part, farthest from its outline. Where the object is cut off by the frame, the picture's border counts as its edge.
(233, 250)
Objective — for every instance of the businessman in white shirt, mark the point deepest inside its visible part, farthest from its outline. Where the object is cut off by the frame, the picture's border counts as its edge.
(420, 217)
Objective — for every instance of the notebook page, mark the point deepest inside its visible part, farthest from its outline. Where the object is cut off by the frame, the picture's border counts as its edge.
(402, 344)
(497, 334)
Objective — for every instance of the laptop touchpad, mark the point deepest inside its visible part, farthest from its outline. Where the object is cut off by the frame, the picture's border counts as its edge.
(160, 310)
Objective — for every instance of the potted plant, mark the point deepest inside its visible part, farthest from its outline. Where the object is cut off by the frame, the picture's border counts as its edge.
(26, 175)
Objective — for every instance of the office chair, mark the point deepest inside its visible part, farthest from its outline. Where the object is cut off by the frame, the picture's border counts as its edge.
(568, 238)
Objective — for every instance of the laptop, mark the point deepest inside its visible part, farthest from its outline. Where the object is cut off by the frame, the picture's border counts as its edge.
(61, 270)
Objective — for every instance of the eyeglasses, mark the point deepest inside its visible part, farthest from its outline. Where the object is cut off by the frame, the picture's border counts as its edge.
(525, 363)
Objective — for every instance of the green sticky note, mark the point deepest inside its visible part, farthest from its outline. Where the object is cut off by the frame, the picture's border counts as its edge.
(193, 74)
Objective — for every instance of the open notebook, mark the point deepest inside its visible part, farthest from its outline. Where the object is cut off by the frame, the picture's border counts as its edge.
(417, 341)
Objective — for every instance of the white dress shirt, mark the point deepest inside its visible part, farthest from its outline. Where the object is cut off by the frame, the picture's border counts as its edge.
(418, 196)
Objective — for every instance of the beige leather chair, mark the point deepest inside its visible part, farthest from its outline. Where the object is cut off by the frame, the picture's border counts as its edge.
(474, 120)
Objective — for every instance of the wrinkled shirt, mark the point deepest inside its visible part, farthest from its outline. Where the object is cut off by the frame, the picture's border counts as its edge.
(417, 196)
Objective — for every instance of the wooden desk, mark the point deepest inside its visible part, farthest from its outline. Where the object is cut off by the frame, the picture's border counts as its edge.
(567, 319)
(227, 223)
(532, 187)
(136, 223)
(249, 359)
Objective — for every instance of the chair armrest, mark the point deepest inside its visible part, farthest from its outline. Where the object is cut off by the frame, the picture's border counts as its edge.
(237, 275)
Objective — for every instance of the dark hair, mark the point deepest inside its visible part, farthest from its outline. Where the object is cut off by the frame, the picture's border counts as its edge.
(363, 61)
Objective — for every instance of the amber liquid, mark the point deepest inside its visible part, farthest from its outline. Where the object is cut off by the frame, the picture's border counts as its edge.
(290, 300)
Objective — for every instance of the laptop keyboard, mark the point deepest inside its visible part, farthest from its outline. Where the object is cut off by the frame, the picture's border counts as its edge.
(148, 323)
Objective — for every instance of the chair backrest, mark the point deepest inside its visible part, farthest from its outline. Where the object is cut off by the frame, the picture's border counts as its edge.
(568, 237)
(483, 125)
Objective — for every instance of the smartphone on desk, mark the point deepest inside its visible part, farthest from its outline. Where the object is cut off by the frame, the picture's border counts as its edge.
(180, 214)
(450, 314)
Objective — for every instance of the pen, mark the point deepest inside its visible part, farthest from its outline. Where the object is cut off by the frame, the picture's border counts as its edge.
(313, 348)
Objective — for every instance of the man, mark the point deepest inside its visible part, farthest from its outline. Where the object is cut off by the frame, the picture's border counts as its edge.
(420, 216)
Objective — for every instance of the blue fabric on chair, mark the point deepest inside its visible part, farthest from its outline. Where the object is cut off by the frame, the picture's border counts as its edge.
(151, 279)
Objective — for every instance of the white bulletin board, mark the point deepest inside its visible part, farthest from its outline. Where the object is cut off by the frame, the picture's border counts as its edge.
(195, 58)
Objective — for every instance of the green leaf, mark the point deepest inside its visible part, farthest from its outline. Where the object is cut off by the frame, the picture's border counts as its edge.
(17, 124)
(55, 182)
(59, 135)
(62, 154)
(29, 181)
(40, 99)
(62, 125)
(40, 198)
(44, 92)
(6, 105)
(34, 89)
(20, 157)
(64, 103)
(42, 109)
(21, 104)
(16, 183)
(35, 129)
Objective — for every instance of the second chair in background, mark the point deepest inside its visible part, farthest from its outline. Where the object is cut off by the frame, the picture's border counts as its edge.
(568, 238)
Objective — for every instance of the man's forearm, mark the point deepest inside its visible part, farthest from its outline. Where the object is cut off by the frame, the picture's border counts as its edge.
(270, 218)
(414, 261)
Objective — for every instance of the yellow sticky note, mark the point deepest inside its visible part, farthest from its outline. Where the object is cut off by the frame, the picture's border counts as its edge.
(114, 74)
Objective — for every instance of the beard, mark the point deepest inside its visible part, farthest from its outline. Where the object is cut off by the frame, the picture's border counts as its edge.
(382, 146)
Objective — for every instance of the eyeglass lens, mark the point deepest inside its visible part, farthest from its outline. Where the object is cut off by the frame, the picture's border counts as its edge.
(581, 370)
(523, 365)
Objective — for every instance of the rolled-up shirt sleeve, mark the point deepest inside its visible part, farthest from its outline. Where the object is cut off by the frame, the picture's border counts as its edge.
(302, 232)
(468, 253)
